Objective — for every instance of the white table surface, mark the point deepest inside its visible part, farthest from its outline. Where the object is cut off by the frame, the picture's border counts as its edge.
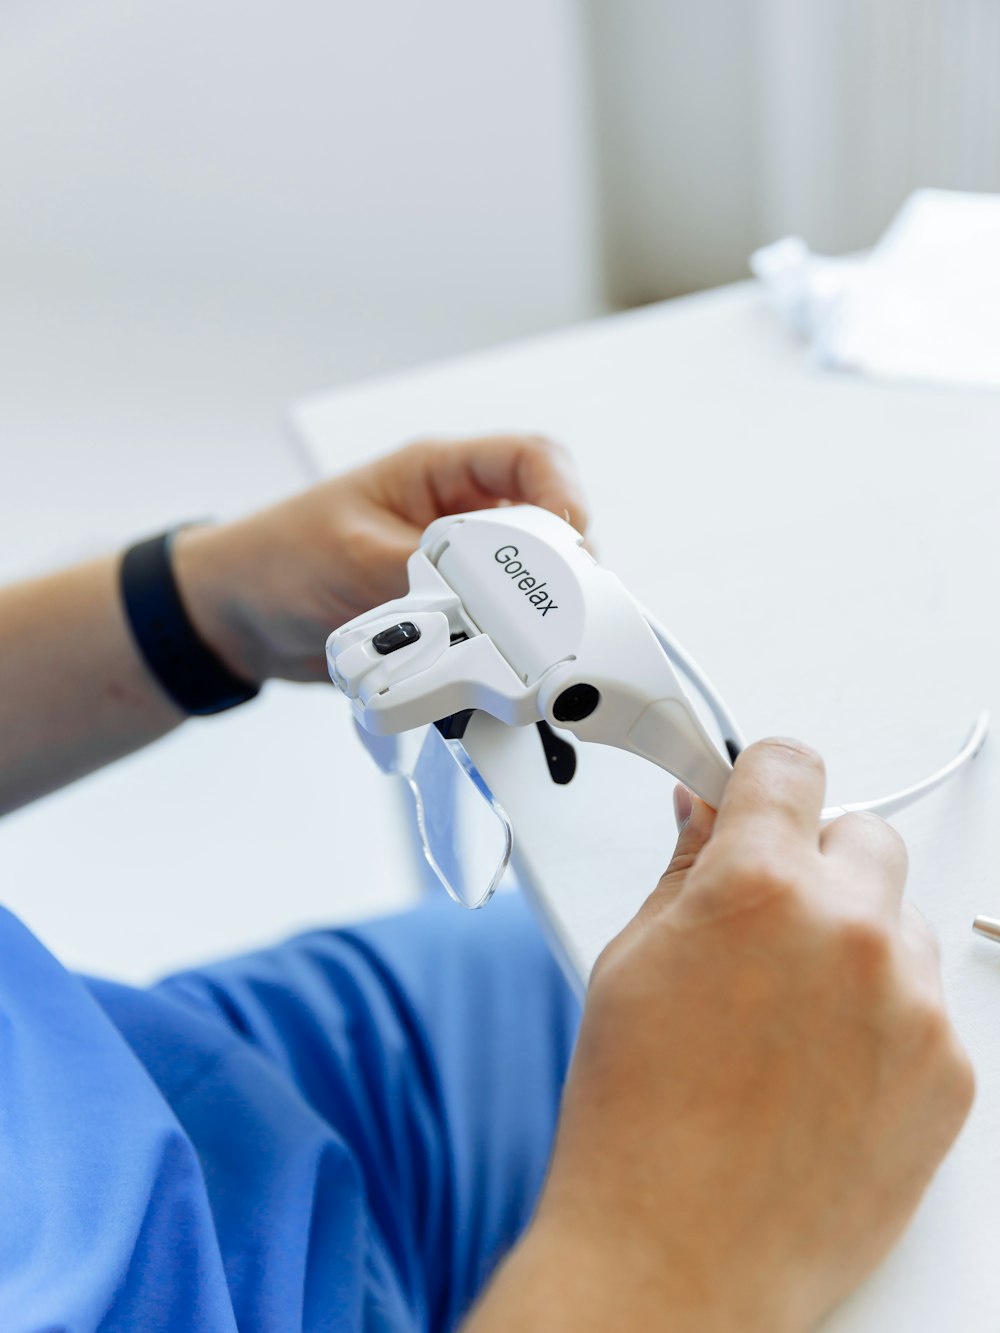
(829, 549)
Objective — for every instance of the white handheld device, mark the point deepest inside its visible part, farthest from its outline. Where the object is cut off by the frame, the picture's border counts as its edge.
(507, 612)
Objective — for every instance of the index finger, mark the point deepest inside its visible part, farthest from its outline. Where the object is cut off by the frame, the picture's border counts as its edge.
(528, 469)
(776, 789)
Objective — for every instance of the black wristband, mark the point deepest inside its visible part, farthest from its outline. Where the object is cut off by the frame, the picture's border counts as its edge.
(186, 668)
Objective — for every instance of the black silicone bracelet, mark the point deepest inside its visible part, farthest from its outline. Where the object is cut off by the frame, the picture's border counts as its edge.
(186, 668)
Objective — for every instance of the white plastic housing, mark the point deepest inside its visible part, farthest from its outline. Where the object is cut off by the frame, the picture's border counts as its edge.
(538, 616)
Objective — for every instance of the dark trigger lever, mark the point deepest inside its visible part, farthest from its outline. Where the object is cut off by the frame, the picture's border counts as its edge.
(559, 755)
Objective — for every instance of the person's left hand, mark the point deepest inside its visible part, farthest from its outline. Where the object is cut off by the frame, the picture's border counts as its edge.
(264, 592)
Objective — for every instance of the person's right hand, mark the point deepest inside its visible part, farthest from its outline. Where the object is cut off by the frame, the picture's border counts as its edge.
(764, 1084)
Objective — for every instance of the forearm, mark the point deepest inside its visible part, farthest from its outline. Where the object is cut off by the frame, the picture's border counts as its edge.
(74, 691)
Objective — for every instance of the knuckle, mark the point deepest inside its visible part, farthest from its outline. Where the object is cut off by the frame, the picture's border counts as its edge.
(938, 1053)
(772, 878)
(874, 830)
(366, 545)
(768, 864)
(546, 445)
(754, 874)
(933, 1031)
(432, 456)
(420, 447)
(556, 455)
(429, 456)
(866, 822)
(866, 948)
(963, 1080)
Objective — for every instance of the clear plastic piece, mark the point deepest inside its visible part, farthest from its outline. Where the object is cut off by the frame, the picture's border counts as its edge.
(464, 830)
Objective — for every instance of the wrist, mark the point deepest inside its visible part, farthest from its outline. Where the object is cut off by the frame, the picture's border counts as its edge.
(212, 577)
(561, 1278)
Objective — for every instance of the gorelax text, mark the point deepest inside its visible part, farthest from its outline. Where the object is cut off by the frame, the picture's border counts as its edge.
(526, 582)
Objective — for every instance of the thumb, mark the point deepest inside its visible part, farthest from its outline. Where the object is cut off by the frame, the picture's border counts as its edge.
(696, 821)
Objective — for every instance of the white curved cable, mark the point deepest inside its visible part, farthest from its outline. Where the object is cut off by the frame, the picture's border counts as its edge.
(884, 805)
(890, 805)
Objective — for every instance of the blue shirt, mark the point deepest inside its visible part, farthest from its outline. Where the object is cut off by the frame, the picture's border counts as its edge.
(344, 1132)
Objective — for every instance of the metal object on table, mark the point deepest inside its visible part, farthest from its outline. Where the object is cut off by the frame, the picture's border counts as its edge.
(988, 926)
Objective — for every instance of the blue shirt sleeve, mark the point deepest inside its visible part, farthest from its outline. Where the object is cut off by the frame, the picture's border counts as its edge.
(103, 1221)
(344, 1132)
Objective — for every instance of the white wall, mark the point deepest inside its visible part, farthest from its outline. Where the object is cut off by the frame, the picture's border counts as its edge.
(208, 208)
(298, 161)
(672, 85)
(728, 123)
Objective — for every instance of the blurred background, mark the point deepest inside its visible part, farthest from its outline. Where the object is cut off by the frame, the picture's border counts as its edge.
(208, 209)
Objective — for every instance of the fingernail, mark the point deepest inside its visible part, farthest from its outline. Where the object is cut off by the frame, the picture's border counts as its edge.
(683, 805)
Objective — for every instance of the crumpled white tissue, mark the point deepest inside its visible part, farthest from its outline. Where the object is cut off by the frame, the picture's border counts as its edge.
(924, 304)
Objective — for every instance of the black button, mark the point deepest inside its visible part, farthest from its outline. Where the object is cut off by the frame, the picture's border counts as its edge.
(395, 637)
(576, 703)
